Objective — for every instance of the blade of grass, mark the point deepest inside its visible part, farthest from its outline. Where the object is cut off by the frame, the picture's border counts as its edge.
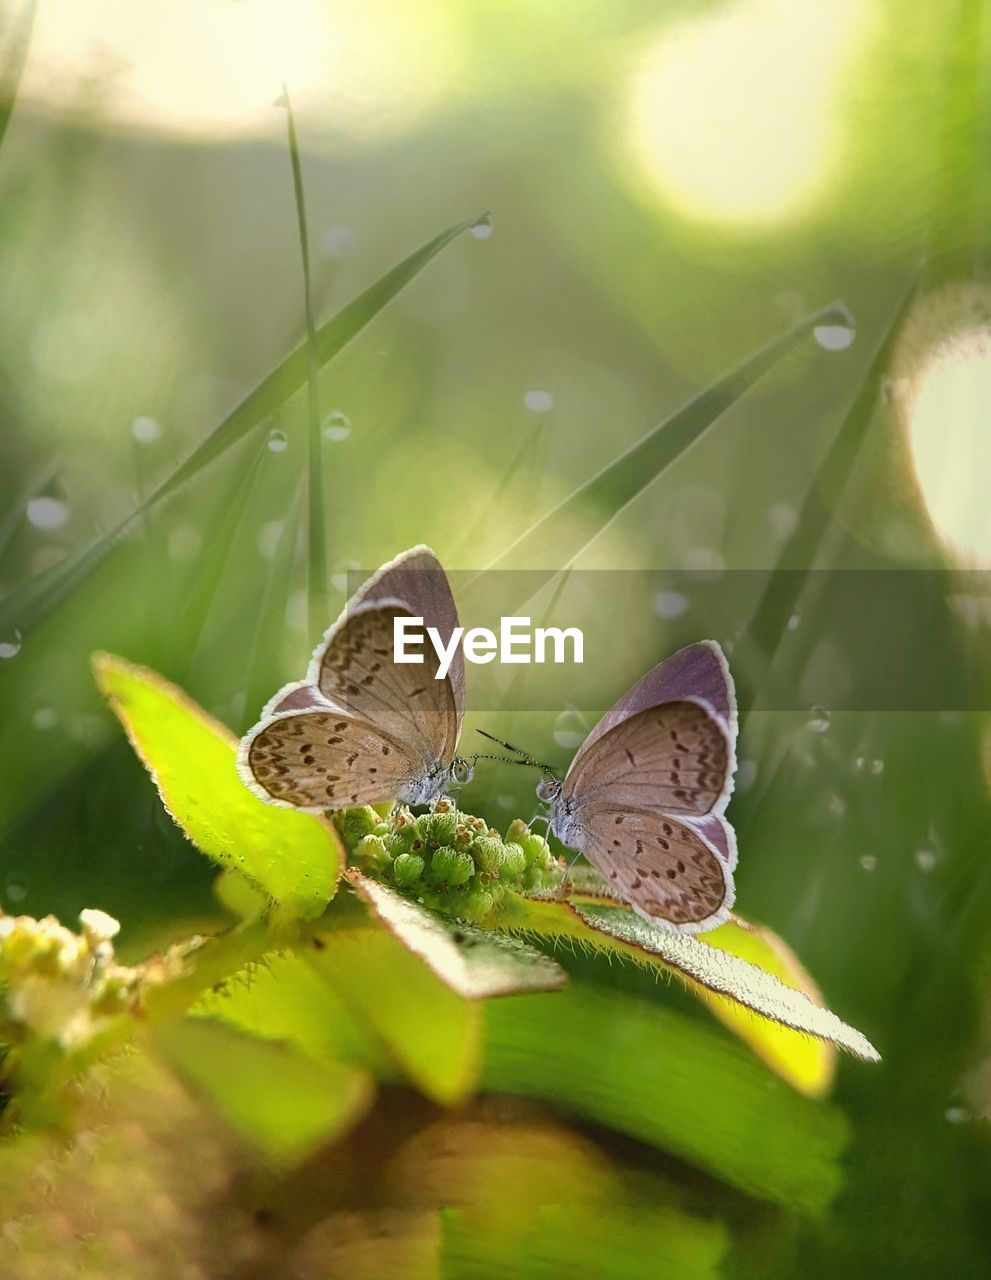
(25, 607)
(960, 193)
(316, 559)
(13, 68)
(769, 622)
(553, 538)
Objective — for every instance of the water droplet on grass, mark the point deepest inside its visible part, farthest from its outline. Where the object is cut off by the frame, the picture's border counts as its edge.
(956, 1115)
(278, 441)
(337, 426)
(538, 400)
(834, 337)
(868, 862)
(336, 240)
(145, 430)
(705, 562)
(268, 538)
(570, 729)
(670, 604)
(45, 718)
(15, 887)
(11, 647)
(482, 230)
(818, 721)
(925, 859)
(782, 517)
(46, 512)
(793, 622)
(746, 775)
(876, 767)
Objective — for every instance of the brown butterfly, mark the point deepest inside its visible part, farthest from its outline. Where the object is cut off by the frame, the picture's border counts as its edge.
(362, 728)
(644, 797)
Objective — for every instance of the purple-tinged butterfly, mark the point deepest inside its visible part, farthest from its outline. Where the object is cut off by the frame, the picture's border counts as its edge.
(644, 797)
(362, 728)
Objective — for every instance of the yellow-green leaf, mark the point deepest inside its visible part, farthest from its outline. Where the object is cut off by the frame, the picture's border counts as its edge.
(281, 1100)
(293, 858)
(620, 931)
(431, 1032)
(285, 999)
(804, 1061)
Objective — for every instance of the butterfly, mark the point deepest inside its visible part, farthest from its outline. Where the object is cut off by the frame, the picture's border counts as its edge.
(645, 795)
(362, 728)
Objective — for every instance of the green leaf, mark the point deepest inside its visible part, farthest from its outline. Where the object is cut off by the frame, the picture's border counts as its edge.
(668, 1080)
(282, 1101)
(807, 1063)
(431, 1033)
(473, 962)
(417, 982)
(24, 608)
(637, 1241)
(618, 931)
(285, 999)
(294, 858)
(558, 539)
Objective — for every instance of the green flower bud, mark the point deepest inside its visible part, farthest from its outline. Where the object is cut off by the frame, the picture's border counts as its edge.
(373, 853)
(478, 905)
(438, 828)
(535, 848)
(452, 866)
(407, 869)
(513, 863)
(353, 824)
(518, 831)
(488, 853)
(537, 878)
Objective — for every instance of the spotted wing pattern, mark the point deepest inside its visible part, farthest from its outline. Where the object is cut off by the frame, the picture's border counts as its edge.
(674, 759)
(664, 868)
(358, 672)
(316, 760)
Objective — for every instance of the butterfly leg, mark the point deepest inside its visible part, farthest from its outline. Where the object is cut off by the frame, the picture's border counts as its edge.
(567, 872)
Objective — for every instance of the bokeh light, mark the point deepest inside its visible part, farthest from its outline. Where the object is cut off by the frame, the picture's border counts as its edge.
(940, 387)
(732, 114)
(213, 69)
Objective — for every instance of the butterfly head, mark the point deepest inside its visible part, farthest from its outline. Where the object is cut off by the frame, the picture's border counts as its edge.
(462, 770)
(548, 790)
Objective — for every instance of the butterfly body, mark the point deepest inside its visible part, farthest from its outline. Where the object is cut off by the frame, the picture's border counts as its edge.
(360, 728)
(645, 795)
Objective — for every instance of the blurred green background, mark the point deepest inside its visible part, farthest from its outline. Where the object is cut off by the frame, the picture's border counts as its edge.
(670, 187)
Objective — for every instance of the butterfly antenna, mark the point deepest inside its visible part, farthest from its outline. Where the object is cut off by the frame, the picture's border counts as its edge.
(524, 757)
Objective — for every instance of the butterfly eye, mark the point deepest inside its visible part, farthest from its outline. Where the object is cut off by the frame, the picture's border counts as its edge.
(548, 790)
(461, 771)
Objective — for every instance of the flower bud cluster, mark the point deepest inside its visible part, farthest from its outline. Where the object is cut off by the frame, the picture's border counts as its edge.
(449, 861)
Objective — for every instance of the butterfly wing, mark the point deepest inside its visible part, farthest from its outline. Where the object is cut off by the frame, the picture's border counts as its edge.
(324, 759)
(667, 870)
(362, 728)
(415, 582)
(698, 672)
(675, 758)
